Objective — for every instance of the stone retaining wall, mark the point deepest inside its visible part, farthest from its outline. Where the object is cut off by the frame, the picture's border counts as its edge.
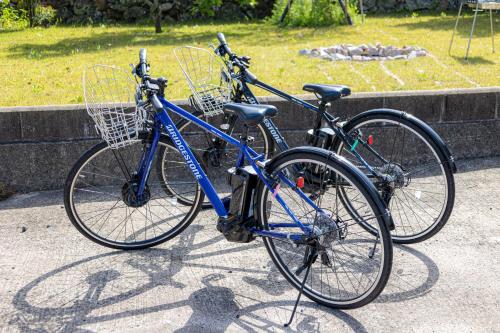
(39, 144)
(386, 6)
(88, 11)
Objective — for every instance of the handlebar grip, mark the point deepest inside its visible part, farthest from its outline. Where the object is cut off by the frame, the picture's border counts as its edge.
(142, 62)
(223, 44)
(221, 38)
(142, 56)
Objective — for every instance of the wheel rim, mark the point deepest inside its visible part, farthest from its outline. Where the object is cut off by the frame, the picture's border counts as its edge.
(100, 210)
(412, 213)
(332, 282)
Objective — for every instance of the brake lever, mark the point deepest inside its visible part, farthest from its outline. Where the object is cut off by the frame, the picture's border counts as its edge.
(246, 59)
(238, 62)
(219, 50)
(137, 70)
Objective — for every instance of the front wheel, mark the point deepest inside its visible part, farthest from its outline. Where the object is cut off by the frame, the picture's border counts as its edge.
(101, 202)
(352, 264)
(421, 195)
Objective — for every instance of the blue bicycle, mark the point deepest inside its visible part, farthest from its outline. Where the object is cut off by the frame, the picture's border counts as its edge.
(116, 195)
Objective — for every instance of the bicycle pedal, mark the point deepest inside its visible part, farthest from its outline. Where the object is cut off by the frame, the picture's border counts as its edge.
(300, 269)
(325, 259)
(262, 164)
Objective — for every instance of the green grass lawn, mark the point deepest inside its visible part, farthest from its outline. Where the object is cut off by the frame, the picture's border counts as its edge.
(44, 66)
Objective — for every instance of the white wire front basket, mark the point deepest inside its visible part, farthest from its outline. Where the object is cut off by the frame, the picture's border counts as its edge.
(109, 94)
(207, 77)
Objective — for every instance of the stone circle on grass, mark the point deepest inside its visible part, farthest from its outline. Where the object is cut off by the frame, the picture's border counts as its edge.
(365, 52)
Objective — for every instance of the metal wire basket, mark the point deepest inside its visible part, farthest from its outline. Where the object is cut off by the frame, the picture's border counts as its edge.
(207, 77)
(109, 94)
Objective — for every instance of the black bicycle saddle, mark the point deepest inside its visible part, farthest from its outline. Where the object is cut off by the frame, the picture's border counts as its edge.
(251, 114)
(327, 92)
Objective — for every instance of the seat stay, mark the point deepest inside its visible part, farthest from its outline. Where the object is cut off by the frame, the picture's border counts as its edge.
(274, 191)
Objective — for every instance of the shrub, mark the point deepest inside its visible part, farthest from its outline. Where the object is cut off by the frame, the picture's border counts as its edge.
(209, 7)
(12, 18)
(206, 7)
(312, 13)
(44, 16)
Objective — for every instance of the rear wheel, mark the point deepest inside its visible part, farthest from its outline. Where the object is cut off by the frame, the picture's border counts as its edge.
(421, 197)
(100, 199)
(352, 264)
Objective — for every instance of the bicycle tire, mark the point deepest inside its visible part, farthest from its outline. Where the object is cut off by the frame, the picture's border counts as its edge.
(412, 124)
(339, 166)
(75, 218)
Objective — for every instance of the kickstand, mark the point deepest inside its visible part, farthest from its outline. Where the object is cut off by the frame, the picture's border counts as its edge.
(371, 253)
(309, 258)
(300, 294)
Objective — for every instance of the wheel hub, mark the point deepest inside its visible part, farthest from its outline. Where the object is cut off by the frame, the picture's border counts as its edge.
(130, 197)
(395, 175)
(328, 230)
(326, 225)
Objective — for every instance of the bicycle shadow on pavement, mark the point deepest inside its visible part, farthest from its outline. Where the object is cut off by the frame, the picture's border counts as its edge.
(406, 281)
(190, 274)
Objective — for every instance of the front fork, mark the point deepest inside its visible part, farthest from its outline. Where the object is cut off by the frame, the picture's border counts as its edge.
(144, 167)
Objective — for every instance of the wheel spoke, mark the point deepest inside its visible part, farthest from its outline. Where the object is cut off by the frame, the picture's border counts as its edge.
(108, 209)
(344, 271)
(421, 198)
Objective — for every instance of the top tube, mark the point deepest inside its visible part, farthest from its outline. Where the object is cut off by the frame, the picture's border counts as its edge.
(200, 123)
(285, 95)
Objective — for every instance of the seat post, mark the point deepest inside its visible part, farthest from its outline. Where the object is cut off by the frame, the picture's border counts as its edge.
(319, 116)
(244, 136)
(313, 140)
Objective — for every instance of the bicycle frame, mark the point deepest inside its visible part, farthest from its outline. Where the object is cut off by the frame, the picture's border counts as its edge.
(162, 118)
(280, 140)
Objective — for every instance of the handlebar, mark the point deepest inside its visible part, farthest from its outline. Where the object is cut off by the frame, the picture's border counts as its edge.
(221, 38)
(142, 56)
(243, 63)
(142, 68)
(149, 84)
(224, 46)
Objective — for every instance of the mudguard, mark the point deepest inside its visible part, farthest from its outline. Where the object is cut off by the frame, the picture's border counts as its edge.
(419, 124)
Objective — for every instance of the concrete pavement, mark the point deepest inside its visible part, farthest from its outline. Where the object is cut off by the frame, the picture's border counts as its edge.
(52, 279)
